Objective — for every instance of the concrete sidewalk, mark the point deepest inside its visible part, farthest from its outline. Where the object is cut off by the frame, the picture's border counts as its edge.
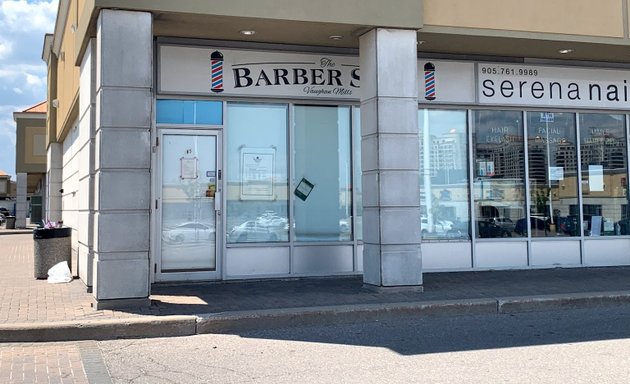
(33, 310)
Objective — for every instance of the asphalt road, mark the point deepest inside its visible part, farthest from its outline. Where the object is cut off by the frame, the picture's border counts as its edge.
(571, 346)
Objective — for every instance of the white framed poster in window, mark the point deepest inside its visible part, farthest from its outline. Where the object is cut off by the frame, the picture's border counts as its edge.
(257, 170)
(188, 168)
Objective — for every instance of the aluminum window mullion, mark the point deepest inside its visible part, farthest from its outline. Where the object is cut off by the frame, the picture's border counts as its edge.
(471, 200)
(528, 198)
(290, 176)
(579, 186)
(627, 167)
(354, 130)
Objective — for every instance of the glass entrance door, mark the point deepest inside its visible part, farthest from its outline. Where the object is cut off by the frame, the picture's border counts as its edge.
(189, 205)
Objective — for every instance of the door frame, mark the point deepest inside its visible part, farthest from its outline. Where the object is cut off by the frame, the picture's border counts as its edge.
(157, 275)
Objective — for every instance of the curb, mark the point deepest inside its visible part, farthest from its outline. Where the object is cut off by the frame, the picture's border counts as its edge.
(289, 317)
(561, 301)
(5, 232)
(237, 321)
(99, 329)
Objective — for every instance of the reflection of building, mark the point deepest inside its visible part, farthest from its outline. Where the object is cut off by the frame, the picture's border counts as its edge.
(508, 156)
(447, 157)
(565, 156)
(562, 155)
(446, 152)
(605, 150)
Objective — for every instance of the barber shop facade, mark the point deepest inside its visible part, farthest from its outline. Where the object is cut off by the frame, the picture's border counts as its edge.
(259, 164)
(215, 160)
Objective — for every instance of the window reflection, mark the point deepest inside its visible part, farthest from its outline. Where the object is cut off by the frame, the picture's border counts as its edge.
(552, 147)
(323, 158)
(604, 175)
(499, 169)
(444, 196)
(257, 178)
(188, 223)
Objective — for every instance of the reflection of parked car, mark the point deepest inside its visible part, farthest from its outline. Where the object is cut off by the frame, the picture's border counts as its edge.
(459, 230)
(439, 226)
(569, 225)
(624, 226)
(4, 212)
(344, 225)
(487, 229)
(260, 231)
(522, 229)
(503, 222)
(190, 232)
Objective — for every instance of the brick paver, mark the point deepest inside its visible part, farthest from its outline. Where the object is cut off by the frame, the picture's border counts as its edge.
(24, 299)
(41, 363)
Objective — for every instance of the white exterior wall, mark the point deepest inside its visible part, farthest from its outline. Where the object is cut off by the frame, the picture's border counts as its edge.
(53, 182)
(85, 173)
(70, 187)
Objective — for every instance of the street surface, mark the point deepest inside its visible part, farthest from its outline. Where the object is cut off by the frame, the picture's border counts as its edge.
(576, 346)
(571, 346)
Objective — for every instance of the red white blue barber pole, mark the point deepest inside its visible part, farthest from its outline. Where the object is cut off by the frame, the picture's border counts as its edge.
(429, 81)
(216, 60)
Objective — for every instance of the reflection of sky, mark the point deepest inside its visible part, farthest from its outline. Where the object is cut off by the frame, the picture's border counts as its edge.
(442, 121)
(256, 126)
(599, 125)
(177, 147)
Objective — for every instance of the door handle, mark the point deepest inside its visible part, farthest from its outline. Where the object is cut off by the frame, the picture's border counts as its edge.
(217, 201)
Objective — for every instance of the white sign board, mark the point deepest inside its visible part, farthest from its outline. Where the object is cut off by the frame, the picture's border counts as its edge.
(446, 82)
(212, 71)
(596, 178)
(217, 71)
(533, 85)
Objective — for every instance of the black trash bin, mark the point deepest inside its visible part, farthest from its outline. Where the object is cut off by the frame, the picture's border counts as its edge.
(52, 246)
(10, 222)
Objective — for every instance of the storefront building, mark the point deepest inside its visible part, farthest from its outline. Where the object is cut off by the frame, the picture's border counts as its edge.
(206, 141)
(30, 163)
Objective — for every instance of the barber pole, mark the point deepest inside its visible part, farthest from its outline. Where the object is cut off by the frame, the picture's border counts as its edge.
(429, 81)
(216, 60)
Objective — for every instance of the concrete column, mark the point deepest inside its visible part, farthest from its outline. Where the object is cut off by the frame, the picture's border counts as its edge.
(54, 166)
(122, 193)
(390, 159)
(21, 205)
(86, 171)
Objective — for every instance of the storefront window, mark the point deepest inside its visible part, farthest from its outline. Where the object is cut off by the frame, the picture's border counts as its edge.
(323, 174)
(552, 147)
(499, 169)
(603, 150)
(256, 170)
(444, 193)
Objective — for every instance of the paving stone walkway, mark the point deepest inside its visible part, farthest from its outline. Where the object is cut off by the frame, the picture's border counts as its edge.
(25, 300)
